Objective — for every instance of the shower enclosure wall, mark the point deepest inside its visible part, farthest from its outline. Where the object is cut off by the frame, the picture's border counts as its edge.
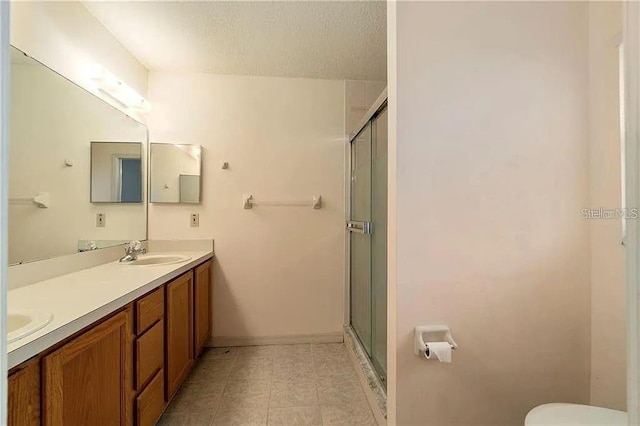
(368, 237)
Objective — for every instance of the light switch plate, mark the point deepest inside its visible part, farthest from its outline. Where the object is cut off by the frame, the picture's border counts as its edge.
(101, 220)
(195, 220)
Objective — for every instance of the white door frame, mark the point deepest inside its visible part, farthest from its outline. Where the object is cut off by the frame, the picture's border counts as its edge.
(116, 172)
(632, 182)
(5, 66)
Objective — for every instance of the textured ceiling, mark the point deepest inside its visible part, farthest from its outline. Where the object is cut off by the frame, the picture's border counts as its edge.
(313, 39)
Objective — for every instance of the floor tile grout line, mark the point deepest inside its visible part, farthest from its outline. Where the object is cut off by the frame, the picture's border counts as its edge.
(315, 384)
(224, 390)
(297, 406)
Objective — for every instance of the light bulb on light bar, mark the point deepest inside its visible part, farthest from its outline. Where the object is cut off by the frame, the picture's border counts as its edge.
(116, 89)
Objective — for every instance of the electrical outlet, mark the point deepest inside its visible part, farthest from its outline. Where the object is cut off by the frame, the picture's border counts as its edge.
(101, 220)
(195, 220)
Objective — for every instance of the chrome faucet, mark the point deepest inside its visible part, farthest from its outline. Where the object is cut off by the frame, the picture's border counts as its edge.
(132, 251)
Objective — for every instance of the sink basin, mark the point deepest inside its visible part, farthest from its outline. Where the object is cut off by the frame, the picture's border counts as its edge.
(158, 259)
(22, 324)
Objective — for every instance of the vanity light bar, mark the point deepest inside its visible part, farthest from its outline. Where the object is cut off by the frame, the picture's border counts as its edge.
(116, 89)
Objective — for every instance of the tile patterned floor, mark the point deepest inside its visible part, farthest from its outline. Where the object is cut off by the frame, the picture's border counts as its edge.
(271, 385)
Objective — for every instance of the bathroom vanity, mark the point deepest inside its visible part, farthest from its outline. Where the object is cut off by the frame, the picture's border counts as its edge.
(93, 341)
(123, 368)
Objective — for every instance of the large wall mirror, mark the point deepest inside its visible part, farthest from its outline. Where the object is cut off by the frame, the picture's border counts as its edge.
(175, 173)
(52, 125)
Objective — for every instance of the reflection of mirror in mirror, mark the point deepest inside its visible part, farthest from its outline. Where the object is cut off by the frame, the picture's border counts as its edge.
(175, 173)
(116, 172)
(52, 123)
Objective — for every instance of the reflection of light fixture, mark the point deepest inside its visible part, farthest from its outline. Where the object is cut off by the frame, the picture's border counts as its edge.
(192, 151)
(116, 89)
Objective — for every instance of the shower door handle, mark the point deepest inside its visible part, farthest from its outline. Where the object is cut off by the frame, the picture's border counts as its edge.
(359, 227)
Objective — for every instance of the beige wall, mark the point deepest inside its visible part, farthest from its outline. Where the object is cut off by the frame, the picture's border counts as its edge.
(493, 169)
(279, 270)
(359, 96)
(608, 306)
(66, 37)
(392, 210)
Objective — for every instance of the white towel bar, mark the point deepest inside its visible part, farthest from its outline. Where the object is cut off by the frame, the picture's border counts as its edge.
(41, 200)
(248, 202)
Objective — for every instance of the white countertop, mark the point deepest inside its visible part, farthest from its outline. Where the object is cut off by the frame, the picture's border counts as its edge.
(81, 298)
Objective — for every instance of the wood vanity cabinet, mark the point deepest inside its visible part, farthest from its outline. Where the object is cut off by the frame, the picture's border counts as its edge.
(123, 369)
(87, 381)
(202, 306)
(179, 331)
(24, 395)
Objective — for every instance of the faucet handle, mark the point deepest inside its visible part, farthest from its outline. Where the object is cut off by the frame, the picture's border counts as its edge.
(135, 245)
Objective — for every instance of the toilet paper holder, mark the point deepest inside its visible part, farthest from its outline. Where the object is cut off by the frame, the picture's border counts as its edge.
(432, 333)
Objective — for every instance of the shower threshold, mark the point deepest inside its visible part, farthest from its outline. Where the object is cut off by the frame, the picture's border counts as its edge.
(374, 388)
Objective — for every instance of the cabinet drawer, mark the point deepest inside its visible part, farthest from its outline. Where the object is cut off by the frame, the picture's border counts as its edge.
(149, 309)
(149, 354)
(150, 403)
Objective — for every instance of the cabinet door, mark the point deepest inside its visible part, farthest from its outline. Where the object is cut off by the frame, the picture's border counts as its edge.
(179, 339)
(202, 306)
(24, 395)
(87, 381)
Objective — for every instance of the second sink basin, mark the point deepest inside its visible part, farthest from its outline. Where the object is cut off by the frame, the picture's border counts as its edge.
(22, 324)
(158, 259)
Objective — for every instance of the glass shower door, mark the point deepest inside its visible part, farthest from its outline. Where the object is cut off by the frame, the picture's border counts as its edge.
(359, 225)
(368, 237)
(379, 244)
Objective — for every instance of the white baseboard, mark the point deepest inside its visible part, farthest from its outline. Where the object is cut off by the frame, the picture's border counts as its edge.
(223, 341)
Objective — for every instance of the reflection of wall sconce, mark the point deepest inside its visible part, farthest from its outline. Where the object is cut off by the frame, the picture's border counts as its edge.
(117, 90)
